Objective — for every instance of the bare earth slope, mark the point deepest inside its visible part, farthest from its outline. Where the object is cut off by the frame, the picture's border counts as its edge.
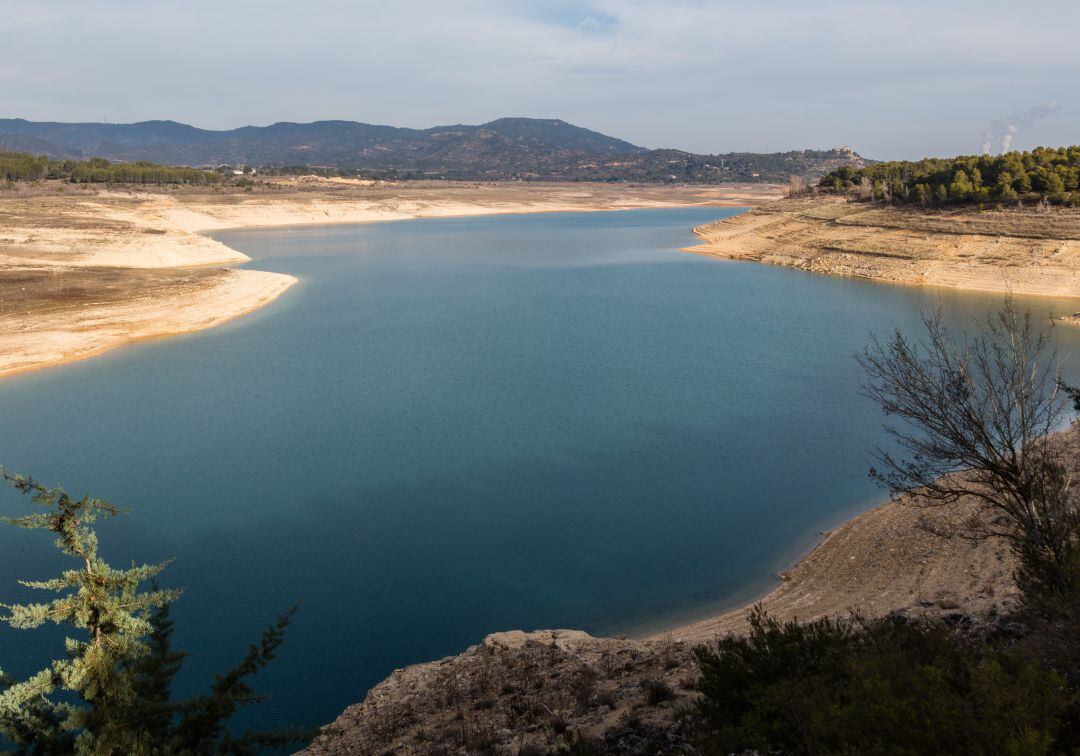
(82, 274)
(95, 309)
(519, 693)
(1025, 251)
(82, 271)
(311, 200)
(876, 563)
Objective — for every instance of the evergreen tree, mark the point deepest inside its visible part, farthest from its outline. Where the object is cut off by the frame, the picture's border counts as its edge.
(1042, 174)
(1003, 190)
(960, 188)
(111, 694)
(1055, 188)
(1023, 182)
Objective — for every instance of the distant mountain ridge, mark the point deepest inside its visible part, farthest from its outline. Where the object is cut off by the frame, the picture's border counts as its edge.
(507, 148)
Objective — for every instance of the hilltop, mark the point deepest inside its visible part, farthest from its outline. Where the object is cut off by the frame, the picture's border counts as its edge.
(506, 148)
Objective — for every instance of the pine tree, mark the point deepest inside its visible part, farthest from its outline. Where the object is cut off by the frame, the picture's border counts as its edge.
(1050, 174)
(961, 188)
(1004, 189)
(1055, 188)
(121, 665)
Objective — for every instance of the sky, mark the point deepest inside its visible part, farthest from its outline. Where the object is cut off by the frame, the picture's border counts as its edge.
(890, 79)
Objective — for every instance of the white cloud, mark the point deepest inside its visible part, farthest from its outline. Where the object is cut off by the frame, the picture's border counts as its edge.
(698, 74)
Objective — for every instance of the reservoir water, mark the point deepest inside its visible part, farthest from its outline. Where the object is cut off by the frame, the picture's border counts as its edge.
(456, 426)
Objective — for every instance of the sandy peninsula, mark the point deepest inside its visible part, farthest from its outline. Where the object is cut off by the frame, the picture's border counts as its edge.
(1023, 250)
(83, 270)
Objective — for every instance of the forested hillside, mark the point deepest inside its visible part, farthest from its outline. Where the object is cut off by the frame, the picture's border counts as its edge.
(1044, 174)
(507, 148)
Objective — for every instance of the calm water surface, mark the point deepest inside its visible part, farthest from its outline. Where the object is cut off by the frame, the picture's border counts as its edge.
(451, 427)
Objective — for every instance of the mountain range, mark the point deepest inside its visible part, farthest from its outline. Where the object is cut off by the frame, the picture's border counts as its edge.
(507, 148)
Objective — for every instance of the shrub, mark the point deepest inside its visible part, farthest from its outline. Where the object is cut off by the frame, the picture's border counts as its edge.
(657, 691)
(855, 686)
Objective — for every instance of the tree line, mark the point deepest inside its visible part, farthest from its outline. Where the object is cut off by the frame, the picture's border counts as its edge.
(22, 166)
(1045, 174)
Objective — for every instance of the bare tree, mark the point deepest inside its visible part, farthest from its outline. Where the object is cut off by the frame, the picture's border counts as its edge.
(975, 418)
(865, 190)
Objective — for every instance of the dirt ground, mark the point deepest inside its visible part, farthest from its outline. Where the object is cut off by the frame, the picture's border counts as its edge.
(1025, 251)
(876, 563)
(88, 268)
(26, 291)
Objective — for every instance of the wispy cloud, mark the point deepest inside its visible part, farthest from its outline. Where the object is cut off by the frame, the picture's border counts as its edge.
(889, 77)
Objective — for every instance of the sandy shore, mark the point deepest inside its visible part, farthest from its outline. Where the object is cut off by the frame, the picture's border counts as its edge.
(881, 561)
(1028, 251)
(40, 338)
(877, 562)
(380, 202)
(85, 270)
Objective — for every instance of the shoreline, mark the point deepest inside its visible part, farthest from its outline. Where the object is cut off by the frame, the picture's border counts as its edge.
(818, 237)
(742, 601)
(148, 236)
(876, 561)
(1024, 253)
(479, 212)
(59, 344)
(143, 265)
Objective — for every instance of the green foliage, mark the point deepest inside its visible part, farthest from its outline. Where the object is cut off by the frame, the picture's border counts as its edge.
(652, 166)
(111, 694)
(1051, 174)
(20, 166)
(886, 686)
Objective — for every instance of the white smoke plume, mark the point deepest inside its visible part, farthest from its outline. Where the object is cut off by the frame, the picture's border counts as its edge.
(1003, 131)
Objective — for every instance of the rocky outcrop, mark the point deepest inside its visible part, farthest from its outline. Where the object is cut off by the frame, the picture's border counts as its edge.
(522, 693)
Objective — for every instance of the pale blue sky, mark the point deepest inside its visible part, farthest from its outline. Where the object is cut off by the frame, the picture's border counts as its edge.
(891, 79)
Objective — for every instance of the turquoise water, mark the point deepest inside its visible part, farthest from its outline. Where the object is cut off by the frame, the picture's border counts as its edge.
(451, 427)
